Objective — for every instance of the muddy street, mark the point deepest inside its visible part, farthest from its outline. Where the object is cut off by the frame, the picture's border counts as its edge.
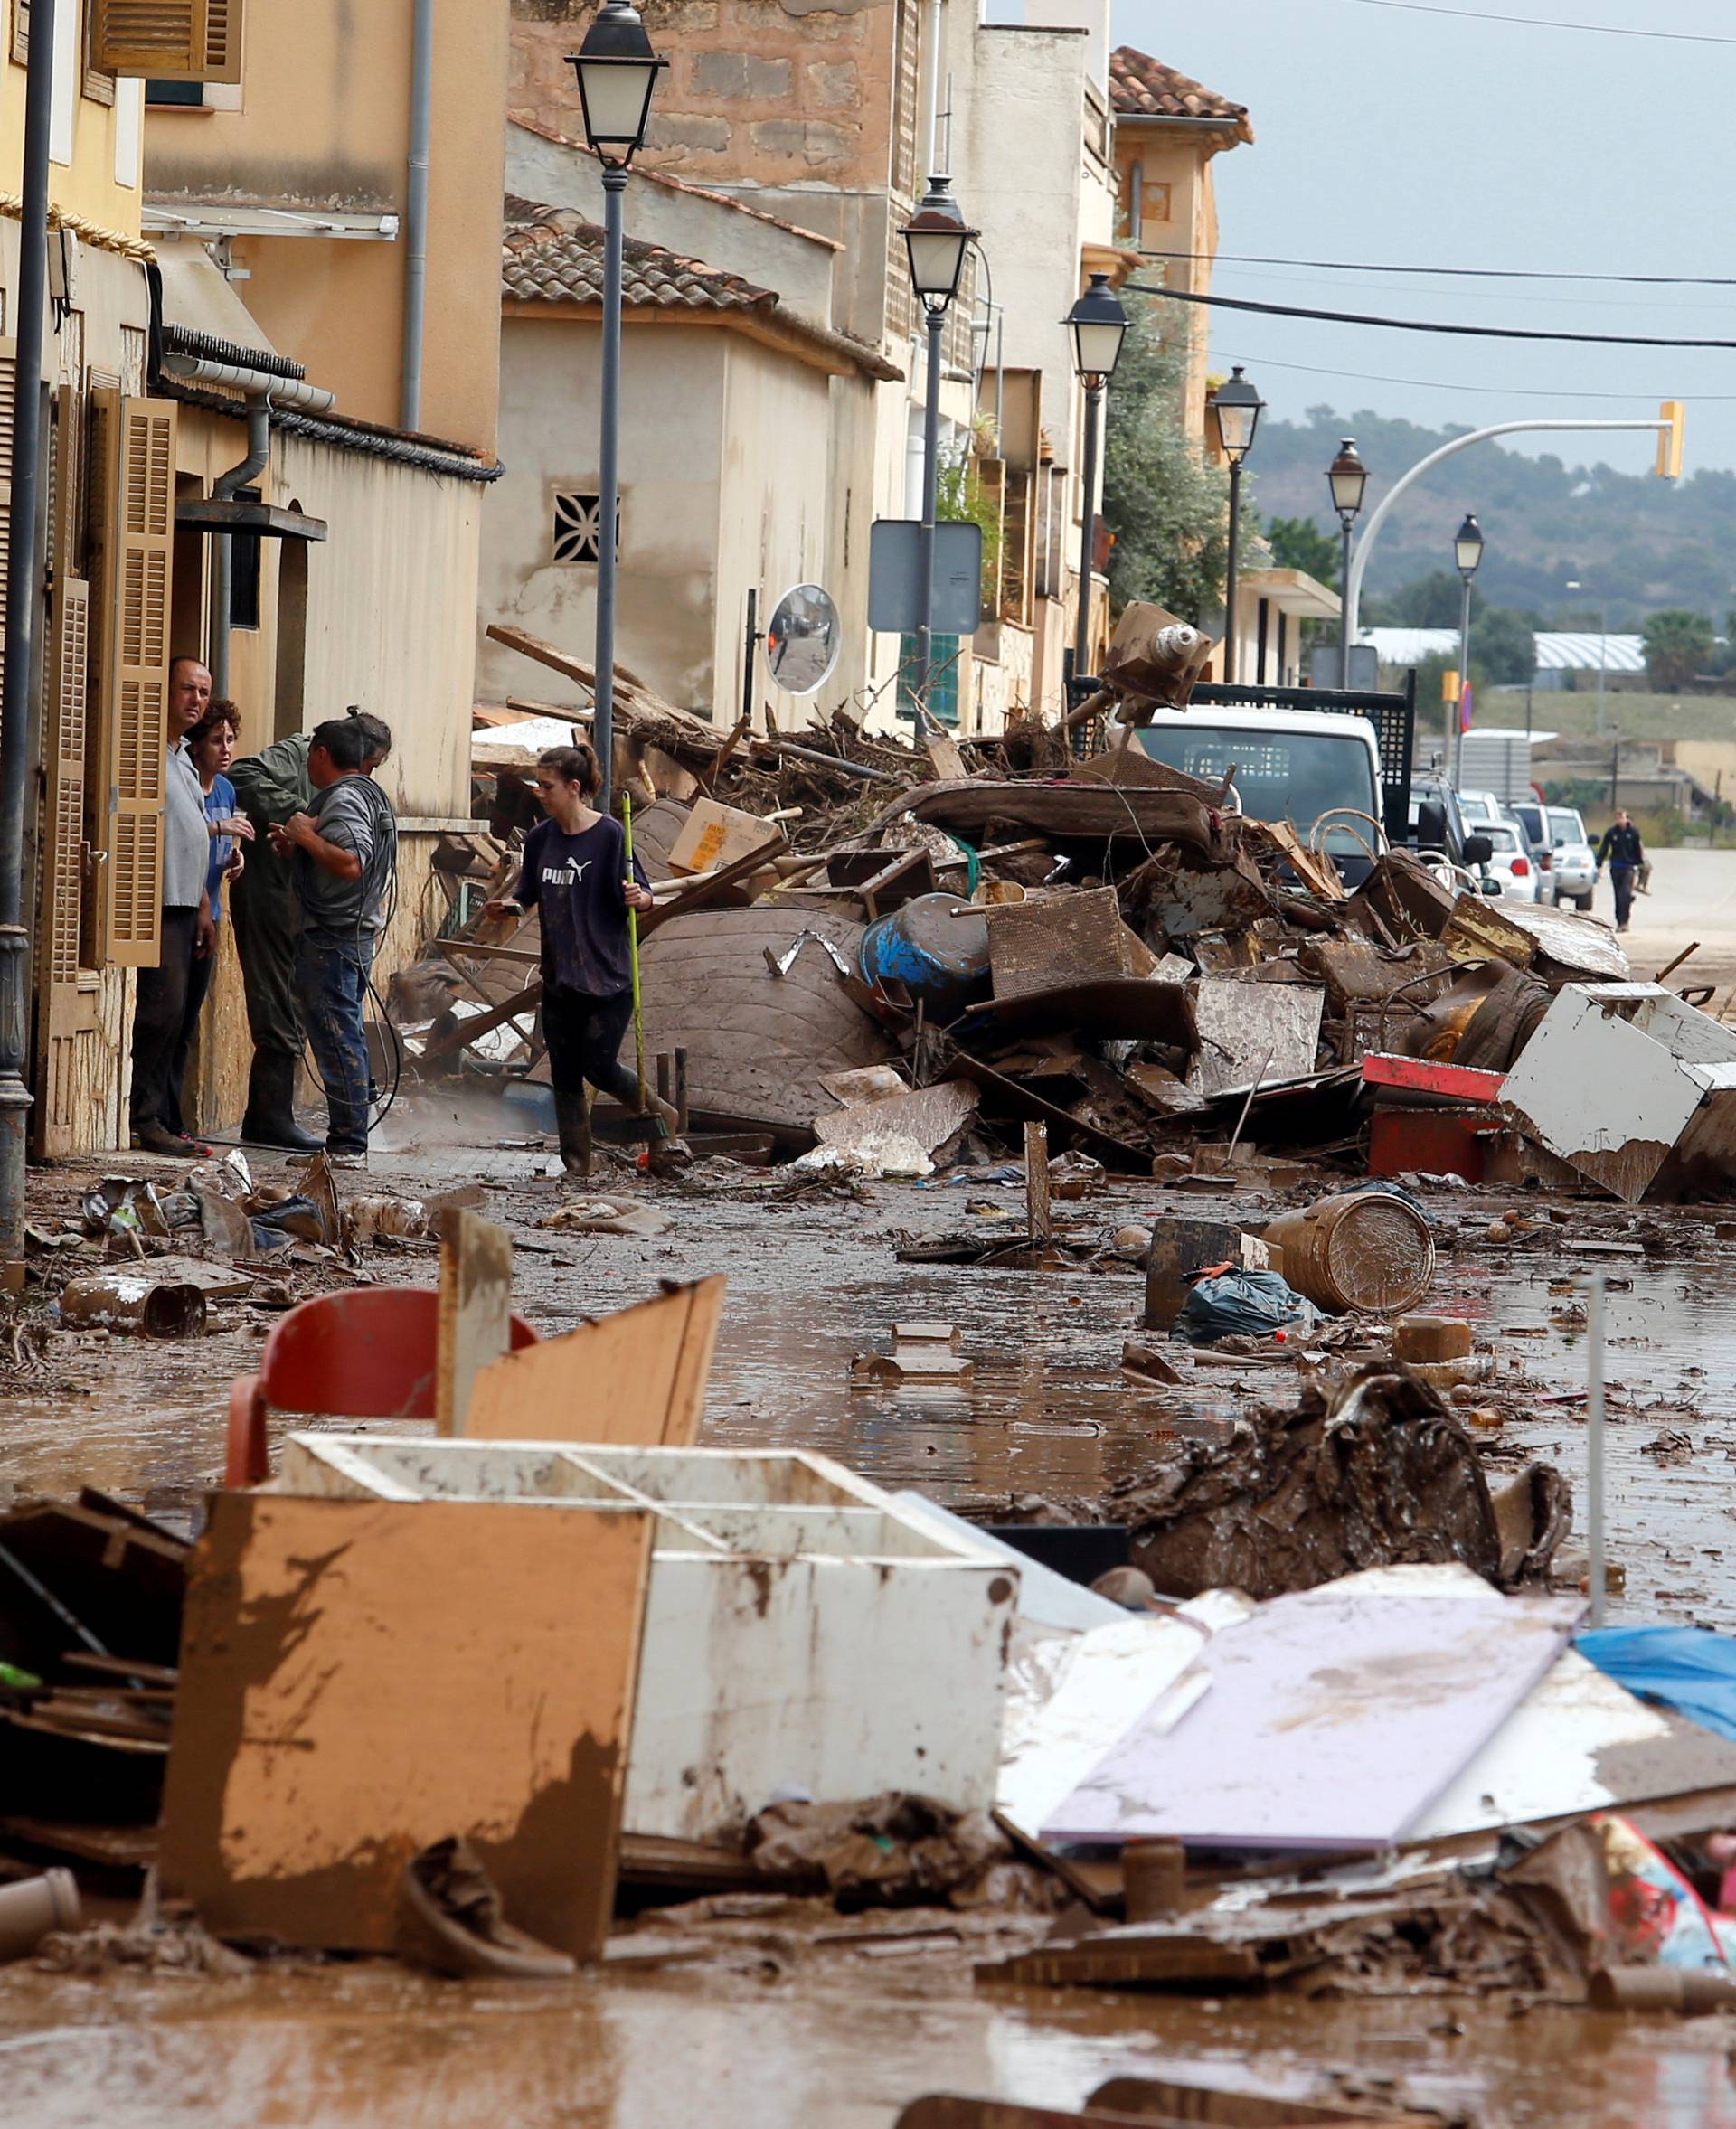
(847, 2033)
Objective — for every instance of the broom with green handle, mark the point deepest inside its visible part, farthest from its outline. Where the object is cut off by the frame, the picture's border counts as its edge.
(633, 949)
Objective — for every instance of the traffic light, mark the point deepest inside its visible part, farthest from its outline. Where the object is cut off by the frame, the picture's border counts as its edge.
(1669, 440)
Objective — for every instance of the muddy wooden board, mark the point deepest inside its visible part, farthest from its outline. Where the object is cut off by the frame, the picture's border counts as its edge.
(636, 1378)
(361, 1678)
(1334, 1718)
(758, 1044)
(1253, 1033)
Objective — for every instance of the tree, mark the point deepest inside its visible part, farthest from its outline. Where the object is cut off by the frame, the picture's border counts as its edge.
(1678, 645)
(1298, 544)
(1504, 645)
(1167, 509)
(1429, 602)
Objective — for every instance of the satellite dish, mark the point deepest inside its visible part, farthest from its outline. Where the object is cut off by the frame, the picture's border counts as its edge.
(803, 639)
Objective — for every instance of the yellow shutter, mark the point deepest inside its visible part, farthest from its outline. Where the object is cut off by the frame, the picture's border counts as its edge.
(168, 40)
(139, 559)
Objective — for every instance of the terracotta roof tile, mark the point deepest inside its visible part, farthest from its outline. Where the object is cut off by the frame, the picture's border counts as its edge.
(1141, 87)
(554, 256)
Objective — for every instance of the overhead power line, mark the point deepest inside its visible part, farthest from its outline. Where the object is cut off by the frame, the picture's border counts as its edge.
(1478, 273)
(1347, 317)
(1537, 21)
(1505, 392)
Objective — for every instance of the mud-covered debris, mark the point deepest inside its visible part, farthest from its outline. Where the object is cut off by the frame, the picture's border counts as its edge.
(891, 1850)
(1377, 1473)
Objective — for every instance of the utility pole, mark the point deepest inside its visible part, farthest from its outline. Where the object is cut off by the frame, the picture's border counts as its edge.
(24, 607)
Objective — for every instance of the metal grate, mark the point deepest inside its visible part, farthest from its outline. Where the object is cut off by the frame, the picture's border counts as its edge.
(1393, 717)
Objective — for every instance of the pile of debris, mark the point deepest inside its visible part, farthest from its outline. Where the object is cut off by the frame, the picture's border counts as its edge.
(1108, 947)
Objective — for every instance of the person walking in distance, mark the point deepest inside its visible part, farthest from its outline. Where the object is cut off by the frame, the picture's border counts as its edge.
(574, 874)
(271, 786)
(1623, 851)
(187, 933)
(211, 745)
(344, 849)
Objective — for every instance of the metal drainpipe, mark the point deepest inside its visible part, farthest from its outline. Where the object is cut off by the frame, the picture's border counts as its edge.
(258, 456)
(421, 99)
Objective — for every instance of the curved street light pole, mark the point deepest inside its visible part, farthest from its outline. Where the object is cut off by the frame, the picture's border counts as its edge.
(1370, 532)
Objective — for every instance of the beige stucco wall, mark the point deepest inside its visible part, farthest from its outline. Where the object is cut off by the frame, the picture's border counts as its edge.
(1176, 212)
(99, 178)
(391, 604)
(724, 456)
(324, 122)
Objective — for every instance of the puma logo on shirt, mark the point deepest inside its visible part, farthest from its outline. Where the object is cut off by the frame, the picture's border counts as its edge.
(566, 875)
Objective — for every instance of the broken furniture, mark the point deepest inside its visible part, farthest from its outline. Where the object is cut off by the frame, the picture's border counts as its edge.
(362, 1677)
(1633, 1089)
(370, 1353)
(802, 1631)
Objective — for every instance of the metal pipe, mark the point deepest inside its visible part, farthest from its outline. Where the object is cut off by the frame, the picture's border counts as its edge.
(225, 486)
(421, 102)
(608, 479)
(1455, 755)
(931, 491)
(1594, 1418)
(1229, 572)
(283, 391)
(749, 648)
(1370, 532)
(1344, 613)
(933, 127)
(24, 604)
(1088, 526)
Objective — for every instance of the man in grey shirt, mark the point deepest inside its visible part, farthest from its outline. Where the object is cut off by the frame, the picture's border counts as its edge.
(187, 931)
(345, 847)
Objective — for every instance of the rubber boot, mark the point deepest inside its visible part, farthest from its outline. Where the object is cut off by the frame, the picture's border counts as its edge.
(270, 1119)
(573, 1120)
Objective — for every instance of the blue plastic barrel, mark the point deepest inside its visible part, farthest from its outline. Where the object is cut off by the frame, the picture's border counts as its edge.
(939, 958)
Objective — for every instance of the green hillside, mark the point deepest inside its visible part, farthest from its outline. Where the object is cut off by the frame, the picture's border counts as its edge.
(1641, 541)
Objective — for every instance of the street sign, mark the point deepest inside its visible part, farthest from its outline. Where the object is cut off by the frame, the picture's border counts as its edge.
(895, 578)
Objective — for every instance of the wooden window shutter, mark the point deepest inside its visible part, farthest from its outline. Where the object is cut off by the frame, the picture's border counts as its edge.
(21, 31)
(63, 828)
(168, 40)
(138, 549)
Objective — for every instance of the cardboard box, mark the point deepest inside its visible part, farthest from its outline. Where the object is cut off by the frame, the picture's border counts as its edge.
(717, 835)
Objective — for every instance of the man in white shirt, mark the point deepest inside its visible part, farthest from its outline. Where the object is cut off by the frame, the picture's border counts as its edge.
(187, 931)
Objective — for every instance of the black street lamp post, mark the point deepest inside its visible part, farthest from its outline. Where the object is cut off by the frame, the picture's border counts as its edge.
(1348, 479)
(1098, 324)
(937, 239)
(1467, 551)
(1237, 406)
(617, 70)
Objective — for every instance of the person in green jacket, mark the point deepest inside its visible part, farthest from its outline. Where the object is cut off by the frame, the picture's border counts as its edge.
(269, 787)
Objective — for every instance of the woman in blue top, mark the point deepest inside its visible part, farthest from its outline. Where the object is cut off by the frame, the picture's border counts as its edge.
(211, 745)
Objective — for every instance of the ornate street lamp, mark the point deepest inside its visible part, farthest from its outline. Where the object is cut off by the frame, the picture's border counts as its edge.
(1098, 325)
(1347, 477)
(1467, 551)
(937, 239)
(1236, 406)
(618, 71)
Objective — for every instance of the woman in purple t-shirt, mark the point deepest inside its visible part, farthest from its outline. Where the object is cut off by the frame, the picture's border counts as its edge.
(574, 873)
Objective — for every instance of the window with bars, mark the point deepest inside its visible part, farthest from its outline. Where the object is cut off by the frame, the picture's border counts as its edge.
(578, 531)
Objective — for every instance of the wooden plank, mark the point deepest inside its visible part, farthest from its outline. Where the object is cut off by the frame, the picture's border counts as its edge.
(361, 1678)
(636, 1378)
(708, 890)
(1036, 1182)
(475, 1309)
(1317, 874)
(484, 1023)
(943, 751)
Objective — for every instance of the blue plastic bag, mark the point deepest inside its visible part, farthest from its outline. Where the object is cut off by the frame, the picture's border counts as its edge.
(1258, 1302)
(1689, 1669)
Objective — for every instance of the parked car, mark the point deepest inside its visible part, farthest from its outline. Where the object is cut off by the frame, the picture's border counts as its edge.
(1533, 816)
(1510, 861)
(1480, 805)
(1439, 835)
(1574, 870)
